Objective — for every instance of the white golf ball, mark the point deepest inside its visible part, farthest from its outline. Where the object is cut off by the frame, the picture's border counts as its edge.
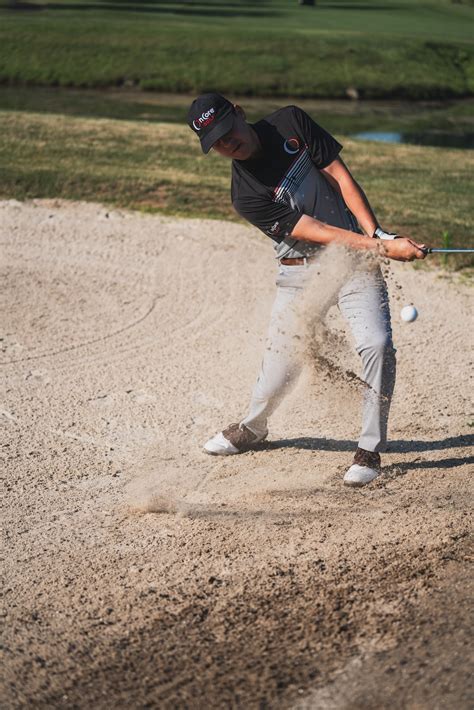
(408, 314)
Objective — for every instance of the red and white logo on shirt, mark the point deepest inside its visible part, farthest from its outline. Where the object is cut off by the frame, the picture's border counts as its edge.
(291, 146)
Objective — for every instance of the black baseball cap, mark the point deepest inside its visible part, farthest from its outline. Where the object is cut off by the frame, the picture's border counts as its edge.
(210, 116)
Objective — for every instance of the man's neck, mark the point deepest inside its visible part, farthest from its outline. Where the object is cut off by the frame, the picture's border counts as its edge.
(258, 152)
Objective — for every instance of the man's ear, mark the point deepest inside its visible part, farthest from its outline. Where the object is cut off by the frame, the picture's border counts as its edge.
(240, 111)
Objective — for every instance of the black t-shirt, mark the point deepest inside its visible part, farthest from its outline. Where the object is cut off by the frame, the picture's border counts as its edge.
(274, 190)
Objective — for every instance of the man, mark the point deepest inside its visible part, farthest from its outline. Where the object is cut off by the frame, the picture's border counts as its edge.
(289, 181)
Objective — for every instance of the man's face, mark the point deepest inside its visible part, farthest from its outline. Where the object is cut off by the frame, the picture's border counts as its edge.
(241, 142)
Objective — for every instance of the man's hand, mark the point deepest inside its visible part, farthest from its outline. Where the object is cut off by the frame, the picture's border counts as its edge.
(402, 249)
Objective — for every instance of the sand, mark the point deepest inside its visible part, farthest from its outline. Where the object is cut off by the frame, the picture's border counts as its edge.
(140, 572)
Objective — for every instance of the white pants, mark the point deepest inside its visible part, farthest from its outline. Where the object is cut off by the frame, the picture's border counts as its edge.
(363, 301)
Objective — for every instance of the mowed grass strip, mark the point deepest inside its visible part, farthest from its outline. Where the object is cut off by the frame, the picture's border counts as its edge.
(160, 167)
(267, 48)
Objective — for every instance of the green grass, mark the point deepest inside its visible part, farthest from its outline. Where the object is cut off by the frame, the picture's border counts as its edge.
(159, 167)
(267, 48)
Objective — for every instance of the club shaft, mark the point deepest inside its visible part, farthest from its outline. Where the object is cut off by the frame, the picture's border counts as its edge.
(449, 251)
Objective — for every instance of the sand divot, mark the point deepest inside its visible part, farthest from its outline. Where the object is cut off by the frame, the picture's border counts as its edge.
(162, 484)
(147, 493)
(148, 501)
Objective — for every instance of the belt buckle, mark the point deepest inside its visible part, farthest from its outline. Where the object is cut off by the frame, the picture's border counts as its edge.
(295, 259)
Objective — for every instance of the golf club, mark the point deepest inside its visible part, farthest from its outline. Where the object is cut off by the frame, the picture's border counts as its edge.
(429, 250)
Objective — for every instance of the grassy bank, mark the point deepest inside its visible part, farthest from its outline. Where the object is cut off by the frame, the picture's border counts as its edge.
(159, 166)
(267, 48)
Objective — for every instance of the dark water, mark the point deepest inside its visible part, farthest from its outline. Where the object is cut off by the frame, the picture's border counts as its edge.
(439, 139)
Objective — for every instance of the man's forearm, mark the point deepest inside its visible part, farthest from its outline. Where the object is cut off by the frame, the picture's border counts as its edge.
(338, 174)
(309, 229)
(356, 200)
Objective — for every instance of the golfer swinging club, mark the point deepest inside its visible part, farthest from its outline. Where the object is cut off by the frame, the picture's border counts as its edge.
(288, 180)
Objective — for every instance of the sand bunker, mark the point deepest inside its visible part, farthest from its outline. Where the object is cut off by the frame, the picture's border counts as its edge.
(251, 581)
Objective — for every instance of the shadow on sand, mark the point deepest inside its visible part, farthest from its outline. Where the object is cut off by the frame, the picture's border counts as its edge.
(398, 446)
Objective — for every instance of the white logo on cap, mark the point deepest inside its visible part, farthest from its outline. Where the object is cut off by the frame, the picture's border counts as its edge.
(204, 119)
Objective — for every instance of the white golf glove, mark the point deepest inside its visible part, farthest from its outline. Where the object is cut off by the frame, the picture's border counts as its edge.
(380, 234)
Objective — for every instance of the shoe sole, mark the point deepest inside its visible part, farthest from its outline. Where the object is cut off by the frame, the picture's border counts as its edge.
(222, 453)
(360, 484)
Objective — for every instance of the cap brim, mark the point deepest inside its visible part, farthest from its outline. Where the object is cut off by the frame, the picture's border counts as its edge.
(223, 127)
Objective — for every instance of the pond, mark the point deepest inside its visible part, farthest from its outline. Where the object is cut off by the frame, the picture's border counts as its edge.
(440, 139)
(448, 124)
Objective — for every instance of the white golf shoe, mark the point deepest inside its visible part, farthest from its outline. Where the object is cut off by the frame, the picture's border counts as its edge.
(366, 468)
(236, 439)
